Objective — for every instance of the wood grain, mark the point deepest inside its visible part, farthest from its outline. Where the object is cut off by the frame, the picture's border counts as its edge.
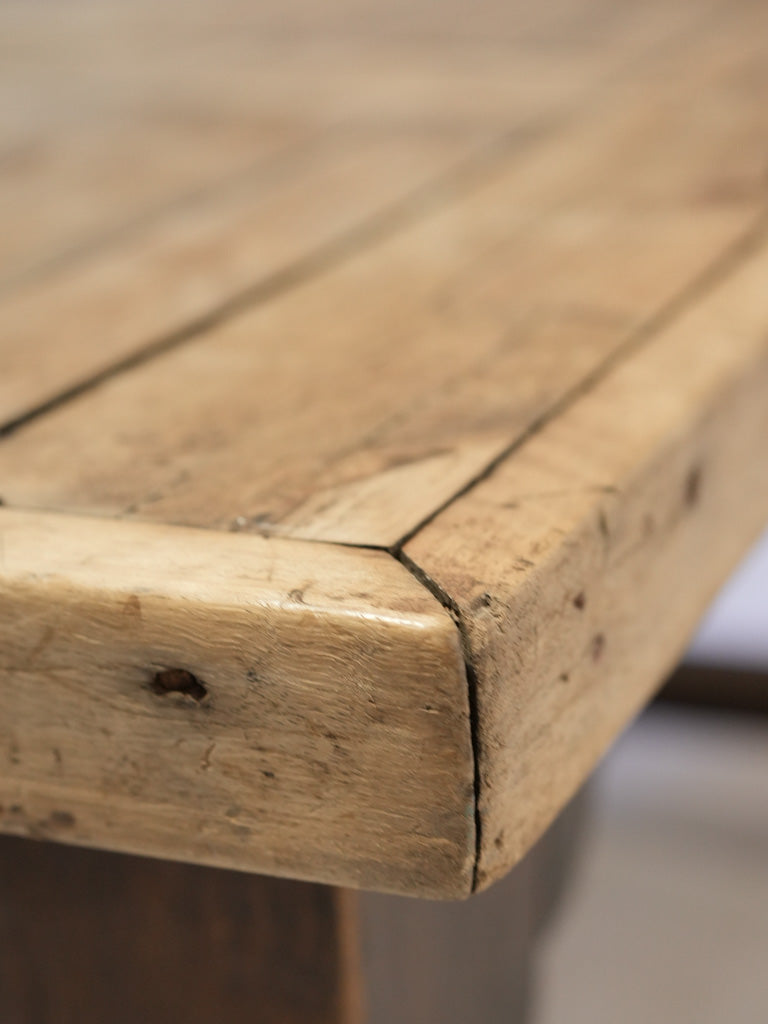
(580, 566)
(293, 709)
(486, 295)
(242, 176)
(357, 419)
(177, 274)
(85, 153)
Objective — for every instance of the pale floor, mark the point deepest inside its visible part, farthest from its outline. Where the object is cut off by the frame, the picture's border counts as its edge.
(667, 918)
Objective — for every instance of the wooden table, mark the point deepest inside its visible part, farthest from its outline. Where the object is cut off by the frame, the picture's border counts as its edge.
(384, 394)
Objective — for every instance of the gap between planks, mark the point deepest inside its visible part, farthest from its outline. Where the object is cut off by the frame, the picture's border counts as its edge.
(381, 225)
(719, 271)
(721, 267)
(428, 197)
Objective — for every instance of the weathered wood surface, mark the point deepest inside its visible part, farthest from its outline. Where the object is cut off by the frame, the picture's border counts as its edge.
(316, 711)
(295, 189)
(413, 277)
(579, 569)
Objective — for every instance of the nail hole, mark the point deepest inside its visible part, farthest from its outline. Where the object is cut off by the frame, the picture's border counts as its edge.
(693, 486)
(178, 680)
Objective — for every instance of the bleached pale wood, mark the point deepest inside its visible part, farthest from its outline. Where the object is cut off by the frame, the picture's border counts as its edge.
(67, 190)
(129, 195)
(364, 399)
(580, 566)
(264, 230)
(568, 304)
(333, 742)
(88, 145)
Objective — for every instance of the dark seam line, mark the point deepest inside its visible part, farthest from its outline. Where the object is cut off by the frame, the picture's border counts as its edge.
(717, 272)
(425, 199)
(374, 229)
(270, 164)
(264, 171)
(385, 223)
(454, 611)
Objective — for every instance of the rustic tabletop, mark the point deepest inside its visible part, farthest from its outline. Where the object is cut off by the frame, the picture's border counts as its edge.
(383, 395)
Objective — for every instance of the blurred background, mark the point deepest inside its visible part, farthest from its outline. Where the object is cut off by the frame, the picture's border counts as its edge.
(666, 918)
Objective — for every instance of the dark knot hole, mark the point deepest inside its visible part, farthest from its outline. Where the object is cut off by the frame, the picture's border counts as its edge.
(179, 680)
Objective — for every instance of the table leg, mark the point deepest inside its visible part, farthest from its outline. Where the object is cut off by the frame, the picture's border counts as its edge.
(96, 938)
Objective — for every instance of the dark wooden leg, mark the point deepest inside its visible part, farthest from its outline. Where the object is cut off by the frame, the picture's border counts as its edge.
(719, 687)
(96, 938)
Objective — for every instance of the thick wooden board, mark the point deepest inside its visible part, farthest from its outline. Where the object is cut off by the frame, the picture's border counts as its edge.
(324, 681)
(580, 566)
(413, 275)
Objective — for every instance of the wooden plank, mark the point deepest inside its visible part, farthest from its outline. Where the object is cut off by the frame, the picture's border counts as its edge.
(67, 189)
(235, 701)
(84, 155)
(579, 567)
(176, 273)
(124, 251)
(357, 419)
(112, 33)
(553, 357)
(132, 256)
